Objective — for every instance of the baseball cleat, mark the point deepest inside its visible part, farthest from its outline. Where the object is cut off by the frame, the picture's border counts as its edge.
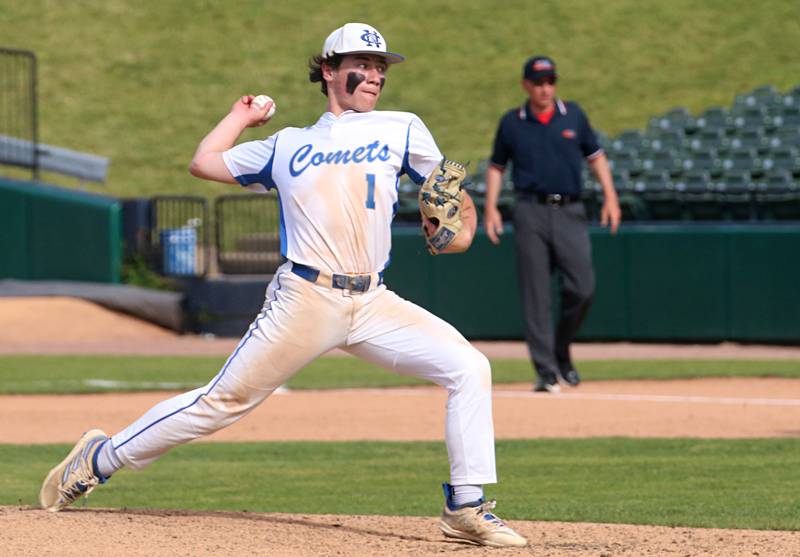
(74, 477)
(478, 524)
(547, 385)
(570, 377)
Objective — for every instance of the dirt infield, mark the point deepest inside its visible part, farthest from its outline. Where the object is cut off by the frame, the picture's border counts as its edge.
(703, 408)
(698, 408)
(26, 532)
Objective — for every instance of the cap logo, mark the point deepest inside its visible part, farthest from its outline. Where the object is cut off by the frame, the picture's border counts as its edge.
(371, 38)
(542, 65)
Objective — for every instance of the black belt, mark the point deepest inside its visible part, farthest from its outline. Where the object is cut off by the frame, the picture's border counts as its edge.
(559, 199)
(354, 283)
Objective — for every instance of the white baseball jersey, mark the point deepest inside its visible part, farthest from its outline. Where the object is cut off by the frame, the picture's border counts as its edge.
(337, 184)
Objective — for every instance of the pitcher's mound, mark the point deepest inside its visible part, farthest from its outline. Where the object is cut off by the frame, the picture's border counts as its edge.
(30, 532)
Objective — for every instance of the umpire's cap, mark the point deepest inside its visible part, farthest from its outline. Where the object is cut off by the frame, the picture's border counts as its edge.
(538, 67)
(358, 38)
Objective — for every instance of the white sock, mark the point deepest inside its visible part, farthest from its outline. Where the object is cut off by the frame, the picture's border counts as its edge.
(463, 494)
(107, 461)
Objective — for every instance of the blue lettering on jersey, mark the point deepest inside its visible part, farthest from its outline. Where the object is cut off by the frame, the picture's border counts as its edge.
(303, 157)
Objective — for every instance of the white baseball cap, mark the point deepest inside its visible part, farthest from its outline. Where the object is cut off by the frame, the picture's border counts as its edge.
(358, 38)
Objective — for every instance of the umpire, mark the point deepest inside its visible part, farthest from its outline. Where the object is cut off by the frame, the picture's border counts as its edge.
(547, 139)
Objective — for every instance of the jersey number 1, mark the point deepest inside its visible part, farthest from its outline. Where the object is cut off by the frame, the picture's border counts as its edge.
(370, 191)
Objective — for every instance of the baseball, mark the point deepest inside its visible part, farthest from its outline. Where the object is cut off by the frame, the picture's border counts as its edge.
(261, 101)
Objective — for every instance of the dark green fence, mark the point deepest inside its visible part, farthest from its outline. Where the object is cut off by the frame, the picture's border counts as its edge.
(654, 283)
(49, 233)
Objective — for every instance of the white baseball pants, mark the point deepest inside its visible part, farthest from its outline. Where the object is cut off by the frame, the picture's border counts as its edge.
(302, 320)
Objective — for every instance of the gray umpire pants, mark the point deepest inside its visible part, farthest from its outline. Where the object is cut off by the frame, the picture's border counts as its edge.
(548, 238)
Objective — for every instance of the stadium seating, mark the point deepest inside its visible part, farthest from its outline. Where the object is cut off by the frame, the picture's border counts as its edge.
(628, 141)
(677, 119)
(705, 160)
(743, 160)
(777, 197)
(785, 137)
(765, 96)
(784, 158)
(667, 140)
(750, 138)
(734, 163)
(734, 193)
(715, 118)
(697, 195)
(661, 200)
(625, 161)
(712, 138)
(662, 161)
(788, 117)
(751, 118)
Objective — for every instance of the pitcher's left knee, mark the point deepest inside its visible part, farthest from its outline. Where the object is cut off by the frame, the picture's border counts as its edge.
(474, 372)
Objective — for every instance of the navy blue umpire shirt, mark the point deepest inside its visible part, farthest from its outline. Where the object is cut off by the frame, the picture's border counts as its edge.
(547, 158)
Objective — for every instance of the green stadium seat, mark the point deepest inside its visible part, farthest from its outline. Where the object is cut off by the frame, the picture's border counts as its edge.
(777, 197)
(625, 161)
(792, 97)
(747, 138)
(746, 160)
(776, 180)
(476, 181)
(715, 117)
(602, 139)
(765, 95)
(592, 197)
(698, 196)
(628, 140)
(785, 137)
(406, 186)
(788, 117)
(694, 180)
(705, 160)
(631, 205)
(734, 193)
(661, 200)
(711, 138)
(676, 119)
(662, 161)
(668, 140)
(783, 159)
(765, 92)
(752, 117)
(620, 176)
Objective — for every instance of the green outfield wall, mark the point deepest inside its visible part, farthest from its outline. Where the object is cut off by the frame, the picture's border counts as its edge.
(691, 282)
(50, 233)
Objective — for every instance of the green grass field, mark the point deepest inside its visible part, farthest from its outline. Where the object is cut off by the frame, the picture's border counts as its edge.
(673, 482)
(86, 374)
(142, 82)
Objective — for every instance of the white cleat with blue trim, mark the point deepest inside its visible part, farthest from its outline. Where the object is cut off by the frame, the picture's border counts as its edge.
(74, 477)
(478, 524)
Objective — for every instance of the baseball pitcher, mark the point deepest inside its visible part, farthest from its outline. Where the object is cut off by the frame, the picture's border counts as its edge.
(337, 182)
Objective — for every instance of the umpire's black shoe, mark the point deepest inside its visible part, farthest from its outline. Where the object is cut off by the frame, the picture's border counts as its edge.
(547, 384)
(571, 377)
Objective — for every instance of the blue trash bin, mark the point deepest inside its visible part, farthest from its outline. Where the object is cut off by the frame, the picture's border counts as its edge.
(179, 251)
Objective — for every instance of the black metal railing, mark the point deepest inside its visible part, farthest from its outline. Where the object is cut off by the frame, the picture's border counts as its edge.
(248, 233)
(19, 135)
(179, 235)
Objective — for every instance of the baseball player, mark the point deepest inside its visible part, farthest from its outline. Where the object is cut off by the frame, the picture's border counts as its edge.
(337, 184)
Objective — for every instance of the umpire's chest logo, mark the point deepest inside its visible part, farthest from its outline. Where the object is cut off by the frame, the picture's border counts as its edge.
(568, 134)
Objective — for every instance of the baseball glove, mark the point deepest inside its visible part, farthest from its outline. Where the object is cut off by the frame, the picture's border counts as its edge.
(440, 199)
